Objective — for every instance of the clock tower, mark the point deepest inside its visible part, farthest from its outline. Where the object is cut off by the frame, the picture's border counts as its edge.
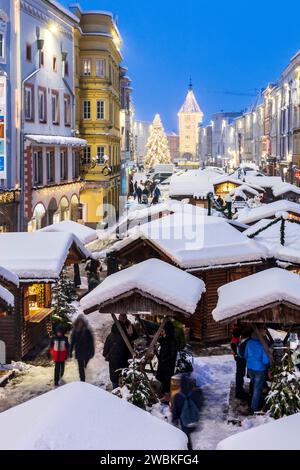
(190, 116)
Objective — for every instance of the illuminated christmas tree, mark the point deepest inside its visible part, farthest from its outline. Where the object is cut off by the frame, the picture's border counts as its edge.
(157, 145)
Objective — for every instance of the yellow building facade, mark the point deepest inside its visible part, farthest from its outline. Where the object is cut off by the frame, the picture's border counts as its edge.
(189, 116)
(97, 85)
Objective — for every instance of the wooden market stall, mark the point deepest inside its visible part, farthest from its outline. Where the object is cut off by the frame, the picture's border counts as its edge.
(207, 247)
(151, 287)
(35, 261)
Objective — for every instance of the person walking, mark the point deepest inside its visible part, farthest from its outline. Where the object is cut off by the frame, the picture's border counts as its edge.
(186, 406)
(116, 351)
(167, 359)
(257, 362)
(139, 193)
(156, 196)
(82, 341)
(59, 350)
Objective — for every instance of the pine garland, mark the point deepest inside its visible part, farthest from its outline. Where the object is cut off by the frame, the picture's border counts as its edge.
(137, 384)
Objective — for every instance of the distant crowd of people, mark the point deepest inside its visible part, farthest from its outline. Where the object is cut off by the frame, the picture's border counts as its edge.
(144, 190)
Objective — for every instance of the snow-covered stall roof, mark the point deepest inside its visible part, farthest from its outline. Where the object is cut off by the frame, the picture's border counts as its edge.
(257, 291)
(193, 183)
(263, 181)
(56, 140)
(242, 190)
(249, 216)
(102, 421)
(194, 240)
(280, 434)
(82, 232)
(153, 277)
(6, 296)
(9, 276)
(39, 255)
(283, 188)
(269, 235)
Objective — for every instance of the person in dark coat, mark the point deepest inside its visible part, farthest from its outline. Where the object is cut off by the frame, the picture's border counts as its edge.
(167, 359)
(187, 392)
(82, 341)
(238, 344)
(116, 351)
(131, 188)
(59, 350)
(139, 193)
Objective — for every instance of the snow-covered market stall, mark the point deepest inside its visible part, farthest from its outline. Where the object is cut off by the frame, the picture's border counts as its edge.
(101, 422)
(152, 287)
(209, 248)
(30, 264)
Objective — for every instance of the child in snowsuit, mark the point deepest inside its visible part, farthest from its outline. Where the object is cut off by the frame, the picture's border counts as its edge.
(59, 350)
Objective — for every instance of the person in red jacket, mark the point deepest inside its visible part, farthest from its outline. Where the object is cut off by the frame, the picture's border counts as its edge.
(59, 350)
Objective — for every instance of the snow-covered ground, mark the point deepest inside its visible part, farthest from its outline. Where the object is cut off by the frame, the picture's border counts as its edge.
(213, 373)
(35, 380)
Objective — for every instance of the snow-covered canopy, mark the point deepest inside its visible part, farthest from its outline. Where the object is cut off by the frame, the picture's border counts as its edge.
(270, 238)
(9, 276)
(56, 140)
(153, 277)
(194, 240)
(265, 211)
(82, 232)
(262, 181)
(243, 190)
(257, 291)
(39, 255)
(6, 296)
(80, 416)
(280, 434)
(193, 183)
(283, 188)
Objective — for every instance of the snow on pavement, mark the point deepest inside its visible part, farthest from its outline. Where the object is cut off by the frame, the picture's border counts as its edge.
(36, 380)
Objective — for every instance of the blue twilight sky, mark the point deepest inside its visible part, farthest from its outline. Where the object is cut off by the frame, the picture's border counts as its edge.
(225, 46)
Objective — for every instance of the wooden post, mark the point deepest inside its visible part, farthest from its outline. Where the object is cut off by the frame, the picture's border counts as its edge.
(122, 333)
(155, 339)
(263, 343)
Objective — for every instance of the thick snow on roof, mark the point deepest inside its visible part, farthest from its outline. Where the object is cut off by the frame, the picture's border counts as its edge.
(283, 188)
(7, 296)
(248, 216)
(8, 275)
(280, 434)
(38, 255)
(80, 416)
(82, 232)
(242, 190)
(154, 277)
(196, 240)
(56, 140)
(193, 183)
(190, 104)
(257, 290)
(263, 181)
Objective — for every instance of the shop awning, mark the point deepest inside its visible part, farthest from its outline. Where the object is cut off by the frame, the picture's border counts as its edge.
(56, 140)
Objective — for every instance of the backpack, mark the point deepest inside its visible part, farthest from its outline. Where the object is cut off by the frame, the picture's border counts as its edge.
(190, 413)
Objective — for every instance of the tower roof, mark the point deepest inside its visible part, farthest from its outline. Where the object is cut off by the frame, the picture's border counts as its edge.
(190, 104)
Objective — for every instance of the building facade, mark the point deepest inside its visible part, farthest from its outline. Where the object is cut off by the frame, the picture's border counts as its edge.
(50, 179)
(126, 125)
(173, 140)
(9, 163)
(97, 82)
(141, 133)
(190, 117)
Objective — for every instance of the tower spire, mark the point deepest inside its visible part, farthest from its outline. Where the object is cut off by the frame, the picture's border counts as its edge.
(190, 84)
